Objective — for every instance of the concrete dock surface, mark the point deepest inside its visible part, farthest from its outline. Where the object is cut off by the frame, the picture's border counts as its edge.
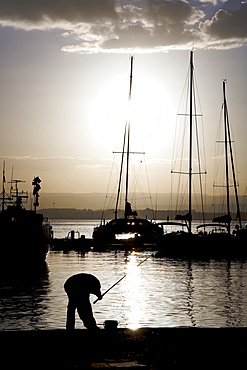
(144, 348)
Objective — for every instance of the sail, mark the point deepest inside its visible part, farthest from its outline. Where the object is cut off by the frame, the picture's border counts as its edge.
(224, 219)
(186, 217)
(128, 210)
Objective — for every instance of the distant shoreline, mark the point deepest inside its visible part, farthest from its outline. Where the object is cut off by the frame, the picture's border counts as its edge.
(89, 214)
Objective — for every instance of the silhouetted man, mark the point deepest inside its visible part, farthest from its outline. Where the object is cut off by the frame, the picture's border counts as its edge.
(78, 288)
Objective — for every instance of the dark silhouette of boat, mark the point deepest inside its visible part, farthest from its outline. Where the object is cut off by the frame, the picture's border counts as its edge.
(73, 241)
(183, 240)
(25, 234)
(225, 220)
(219, 241)
(129, 229)
(225, 241)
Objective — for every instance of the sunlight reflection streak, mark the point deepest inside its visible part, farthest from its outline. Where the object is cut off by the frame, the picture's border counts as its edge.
(133, 293)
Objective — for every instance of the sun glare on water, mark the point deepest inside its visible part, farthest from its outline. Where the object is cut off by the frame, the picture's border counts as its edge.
(133, 293)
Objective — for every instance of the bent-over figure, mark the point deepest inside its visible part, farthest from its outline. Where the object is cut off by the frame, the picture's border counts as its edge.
(78, 288)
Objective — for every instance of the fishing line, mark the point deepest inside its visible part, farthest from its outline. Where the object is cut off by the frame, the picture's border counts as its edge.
(121, 279)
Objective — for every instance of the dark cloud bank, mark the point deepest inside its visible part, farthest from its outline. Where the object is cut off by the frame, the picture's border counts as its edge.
(118, 26)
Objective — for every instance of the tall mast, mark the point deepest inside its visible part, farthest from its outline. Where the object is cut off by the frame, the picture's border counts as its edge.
(127, 151)
(228, 140)
(128, 138)
(127, 173)
(120, 176)
(226, 159)
(3, 199)
(131, 76)
(192, 113)
(190, 140)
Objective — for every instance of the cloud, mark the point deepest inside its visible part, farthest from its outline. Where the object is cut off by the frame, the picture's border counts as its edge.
(59, 173)
(151, 25)
(226, 25)
(130, 25)
(52, 163)
(214, 2)
(38, 12)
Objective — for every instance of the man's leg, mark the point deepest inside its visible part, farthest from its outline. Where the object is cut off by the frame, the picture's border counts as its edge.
(85, 313)
(70, 323)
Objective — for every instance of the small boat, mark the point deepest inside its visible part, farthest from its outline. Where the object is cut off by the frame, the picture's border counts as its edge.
(25, 234)
(129, 229)
(73, 241)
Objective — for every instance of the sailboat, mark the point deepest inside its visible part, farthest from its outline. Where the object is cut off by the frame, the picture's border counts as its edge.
(25, 234)
(221, 237)
(182, 242)
(130, 228)
(219, 242)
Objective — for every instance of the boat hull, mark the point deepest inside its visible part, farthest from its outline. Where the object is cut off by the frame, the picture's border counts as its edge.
(185, 245)
(135, 230)
(24, 236)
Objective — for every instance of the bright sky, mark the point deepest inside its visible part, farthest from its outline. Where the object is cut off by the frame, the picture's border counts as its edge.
(64, 79)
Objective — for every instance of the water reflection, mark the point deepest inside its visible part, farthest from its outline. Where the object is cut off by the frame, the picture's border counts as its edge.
(158, 293)
(215, 293)
(134, 293)
(23, 293)
(190, 290)
(234, 294)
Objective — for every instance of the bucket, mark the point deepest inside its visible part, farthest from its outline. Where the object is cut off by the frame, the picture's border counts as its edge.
(110, 324)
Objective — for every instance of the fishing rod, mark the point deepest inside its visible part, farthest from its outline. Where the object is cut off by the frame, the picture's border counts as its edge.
(121, 279)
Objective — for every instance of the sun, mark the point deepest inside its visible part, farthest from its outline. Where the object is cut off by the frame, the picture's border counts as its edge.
(149, 113)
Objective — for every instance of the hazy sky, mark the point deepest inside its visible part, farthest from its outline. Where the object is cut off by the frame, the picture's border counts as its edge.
(64, 77)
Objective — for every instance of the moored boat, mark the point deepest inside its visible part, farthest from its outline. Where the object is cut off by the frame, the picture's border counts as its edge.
(183, 241)
(130, 229)
(25, 234)
(73, 241)
(124, 231)
(220, 241)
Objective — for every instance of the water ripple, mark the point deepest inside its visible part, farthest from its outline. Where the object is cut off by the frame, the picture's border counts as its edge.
(158, 293)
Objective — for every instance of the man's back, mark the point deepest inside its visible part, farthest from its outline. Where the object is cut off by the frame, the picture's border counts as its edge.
(82, 284)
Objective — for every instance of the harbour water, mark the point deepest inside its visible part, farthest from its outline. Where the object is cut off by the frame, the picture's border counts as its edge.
(161, 292)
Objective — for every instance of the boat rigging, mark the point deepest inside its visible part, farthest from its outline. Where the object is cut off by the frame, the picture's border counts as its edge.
(229, 166)
(130, 227)
(193, 150)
